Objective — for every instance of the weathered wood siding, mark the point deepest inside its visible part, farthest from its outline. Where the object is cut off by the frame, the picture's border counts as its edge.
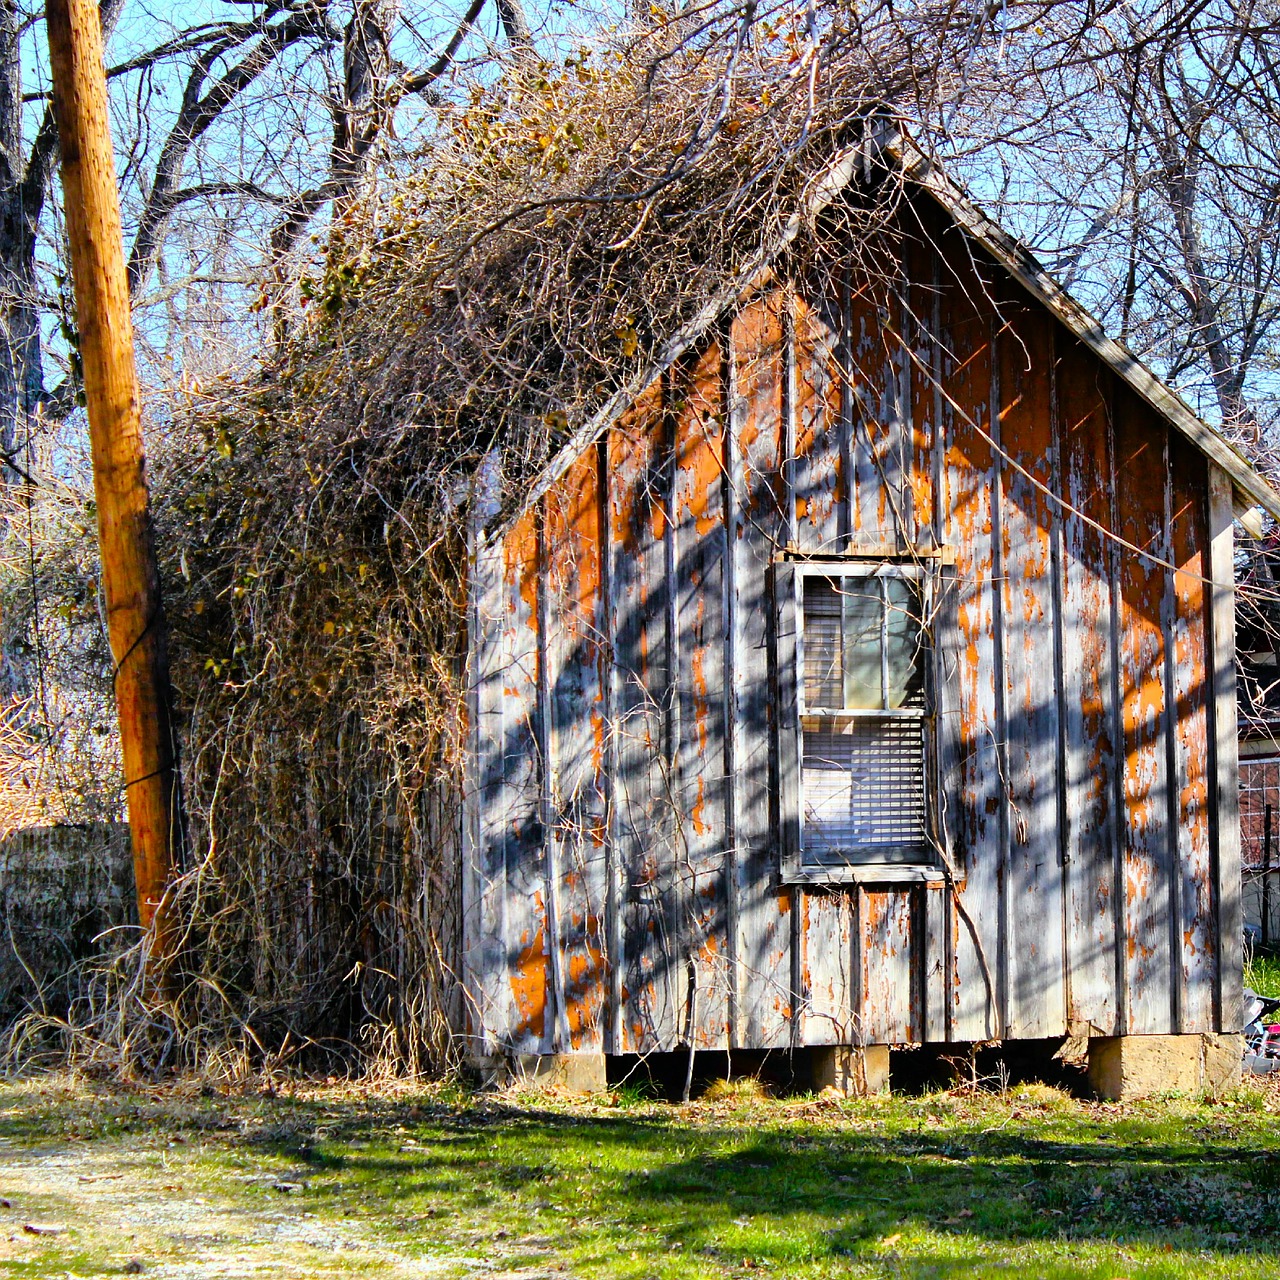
(624, 845)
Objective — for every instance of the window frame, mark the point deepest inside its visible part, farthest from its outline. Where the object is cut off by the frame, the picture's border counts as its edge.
(920, 864)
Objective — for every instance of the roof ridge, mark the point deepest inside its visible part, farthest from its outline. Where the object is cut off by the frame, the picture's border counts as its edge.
(882, 139)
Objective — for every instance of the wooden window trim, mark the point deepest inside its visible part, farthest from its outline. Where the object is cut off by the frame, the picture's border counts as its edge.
(789, 576)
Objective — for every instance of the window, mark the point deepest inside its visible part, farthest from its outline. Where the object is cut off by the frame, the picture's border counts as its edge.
(860, 746)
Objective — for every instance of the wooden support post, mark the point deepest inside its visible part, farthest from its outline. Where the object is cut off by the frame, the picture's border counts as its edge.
(1226, 794)
(131, 583)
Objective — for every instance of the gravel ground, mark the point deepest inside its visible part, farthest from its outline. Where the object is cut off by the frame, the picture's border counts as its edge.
(124, 1205)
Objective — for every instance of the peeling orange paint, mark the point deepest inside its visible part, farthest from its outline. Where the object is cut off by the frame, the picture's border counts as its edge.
(699, 445)
(521, 552)
(529, 987)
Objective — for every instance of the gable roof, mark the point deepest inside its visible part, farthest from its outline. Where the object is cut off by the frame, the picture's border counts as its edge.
(894, 147)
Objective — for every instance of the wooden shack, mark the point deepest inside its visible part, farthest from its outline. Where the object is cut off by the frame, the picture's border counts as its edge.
(862, 676)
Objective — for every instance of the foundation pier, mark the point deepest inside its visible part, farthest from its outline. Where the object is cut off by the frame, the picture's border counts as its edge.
(1124, 1067)
(558, 1072)
(855, 1071)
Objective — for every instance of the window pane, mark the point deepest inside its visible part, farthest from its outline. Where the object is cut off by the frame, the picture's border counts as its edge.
(823, 648)
(864, 788)
(905, 644)
(863, 611)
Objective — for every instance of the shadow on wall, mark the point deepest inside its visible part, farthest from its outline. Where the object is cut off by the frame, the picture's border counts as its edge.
(61, 888)
(677, 876)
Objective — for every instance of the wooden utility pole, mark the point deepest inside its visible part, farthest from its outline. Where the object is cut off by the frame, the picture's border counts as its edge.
(131, 583)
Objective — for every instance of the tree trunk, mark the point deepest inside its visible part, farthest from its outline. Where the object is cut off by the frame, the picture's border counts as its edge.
(515, 26)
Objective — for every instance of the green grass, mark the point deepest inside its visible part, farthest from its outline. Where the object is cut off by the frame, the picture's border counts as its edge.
(1262, 973)
(1029, 1184)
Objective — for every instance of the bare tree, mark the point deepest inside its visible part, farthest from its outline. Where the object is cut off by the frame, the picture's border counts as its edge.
(1135, 146)
(220, 124)
(538, 236)
(1140, 156)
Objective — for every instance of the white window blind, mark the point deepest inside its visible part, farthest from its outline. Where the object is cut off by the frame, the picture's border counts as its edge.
(863, 718)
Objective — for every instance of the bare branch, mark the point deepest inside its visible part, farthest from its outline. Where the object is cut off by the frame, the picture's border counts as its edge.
(200, 108)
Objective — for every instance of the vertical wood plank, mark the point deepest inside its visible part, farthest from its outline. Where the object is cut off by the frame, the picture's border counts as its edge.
(471, 877)
(1226, 764)
(674, 882)
(787, 423)
(642, 801)
(578, 737)
(968, 717)
(816, 474)
(729, 489)
(545, 745)
(755, 461)
(700, 550)
(848, 494)
(615, 949)
(1033, 888)
(826, 942)
(919, 319)
(878, 491)
(1194, 936)
(921, 303)
(1119, 807)
(1004, 905)
(1088, 713)
(858, 964)
(525, 926)
(788, 663)
(934, 958)
(1141, 467)
(487, 992)
(888, 1007)
(898, 401)
(932, 400)
(1173, 921)
(785, 667)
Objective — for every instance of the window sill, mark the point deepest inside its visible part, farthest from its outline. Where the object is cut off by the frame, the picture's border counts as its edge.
(869, 873)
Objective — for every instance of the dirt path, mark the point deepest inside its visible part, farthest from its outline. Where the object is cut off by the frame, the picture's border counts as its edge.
(160, 1203)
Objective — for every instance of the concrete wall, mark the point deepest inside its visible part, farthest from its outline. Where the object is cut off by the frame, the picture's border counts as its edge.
(61, 888)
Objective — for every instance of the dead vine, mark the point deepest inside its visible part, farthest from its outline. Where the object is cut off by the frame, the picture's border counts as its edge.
(552, 229)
